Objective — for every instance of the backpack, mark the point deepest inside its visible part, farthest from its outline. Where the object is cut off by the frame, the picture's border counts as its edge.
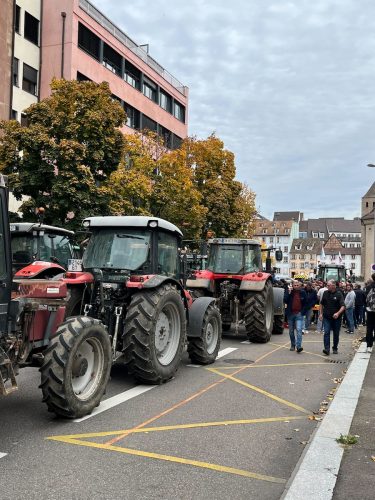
(370, 300)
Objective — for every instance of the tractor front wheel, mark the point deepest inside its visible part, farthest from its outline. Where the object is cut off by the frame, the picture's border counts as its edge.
(76, 367)
(154, 334)
(203, 350)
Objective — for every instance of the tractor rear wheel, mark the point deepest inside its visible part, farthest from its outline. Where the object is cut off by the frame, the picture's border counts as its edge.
(259, 314)
(154, 334)
(278, 325)
(76, 367)
(203, 350)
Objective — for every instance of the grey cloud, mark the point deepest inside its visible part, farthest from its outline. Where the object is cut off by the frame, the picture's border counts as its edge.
(288, 86)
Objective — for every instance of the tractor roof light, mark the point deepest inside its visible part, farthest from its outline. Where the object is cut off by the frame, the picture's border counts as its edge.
(153, 223)
(86, 223)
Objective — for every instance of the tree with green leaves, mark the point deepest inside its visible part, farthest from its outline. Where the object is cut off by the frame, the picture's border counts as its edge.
(71, 146)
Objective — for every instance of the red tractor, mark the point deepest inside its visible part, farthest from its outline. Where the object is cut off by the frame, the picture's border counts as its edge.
(245, 294)
(136, 310)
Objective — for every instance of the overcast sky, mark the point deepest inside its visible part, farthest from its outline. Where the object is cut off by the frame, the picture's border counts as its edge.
(289, 86)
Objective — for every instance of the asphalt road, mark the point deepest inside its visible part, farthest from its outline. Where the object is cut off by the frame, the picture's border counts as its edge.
(235, 429)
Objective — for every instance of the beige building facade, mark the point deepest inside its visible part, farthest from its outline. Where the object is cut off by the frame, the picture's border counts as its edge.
(368, 232)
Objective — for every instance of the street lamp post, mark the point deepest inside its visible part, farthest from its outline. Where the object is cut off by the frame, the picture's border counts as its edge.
(373, 206)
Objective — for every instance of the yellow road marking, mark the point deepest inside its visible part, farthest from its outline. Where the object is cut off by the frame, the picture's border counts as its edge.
(187, 400)
(271, 352)
(177, 427)
(261, 391)
(168, 458)
(233, 367)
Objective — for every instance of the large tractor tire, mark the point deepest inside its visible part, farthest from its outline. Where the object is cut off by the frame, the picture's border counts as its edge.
(278, 325)
(203, 350)
(154, 334)
(259, 314)
(76, 367)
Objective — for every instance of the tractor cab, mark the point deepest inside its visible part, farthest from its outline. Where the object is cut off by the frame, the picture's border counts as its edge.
(336, 272)
(129, 245)
(39, 242)
(234, 256)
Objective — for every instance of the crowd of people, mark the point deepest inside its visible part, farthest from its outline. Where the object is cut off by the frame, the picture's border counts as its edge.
(329, 306)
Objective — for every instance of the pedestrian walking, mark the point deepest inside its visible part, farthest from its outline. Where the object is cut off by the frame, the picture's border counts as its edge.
(370, 310)
(349, 303)
(296, 302)
(360, 305)
(312, 299)
(331, 308)
(322, 289)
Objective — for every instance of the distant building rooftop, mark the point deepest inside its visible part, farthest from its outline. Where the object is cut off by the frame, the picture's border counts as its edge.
(295, 216)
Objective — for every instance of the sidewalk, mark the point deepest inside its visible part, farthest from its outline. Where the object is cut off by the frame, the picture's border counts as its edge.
(327, 470)
(356, 478)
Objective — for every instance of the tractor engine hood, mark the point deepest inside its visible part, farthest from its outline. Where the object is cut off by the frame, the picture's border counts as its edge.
(36, 268)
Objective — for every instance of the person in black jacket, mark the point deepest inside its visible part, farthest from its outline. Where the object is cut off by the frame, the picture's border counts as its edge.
(331, 308)
(370, 312)
(296, 304)
(360, 305)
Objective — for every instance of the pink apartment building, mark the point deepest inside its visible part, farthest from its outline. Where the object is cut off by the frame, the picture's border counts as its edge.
(79, 42)
(42, 39)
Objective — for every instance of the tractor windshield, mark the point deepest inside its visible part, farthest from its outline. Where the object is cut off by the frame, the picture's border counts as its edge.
(234, 259)
(332, 273)
(27, 247)
(119, 248)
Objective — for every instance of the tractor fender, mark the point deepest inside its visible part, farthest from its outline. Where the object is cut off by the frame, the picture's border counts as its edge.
(37, 268)
(196, 315)
(198, 283)
(252, 286)
(278, 301)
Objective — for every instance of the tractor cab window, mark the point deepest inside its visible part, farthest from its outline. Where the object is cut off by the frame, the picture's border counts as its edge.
(226, 259)
(167, 254)
(253, 258)
(24, 248)
(119, 248)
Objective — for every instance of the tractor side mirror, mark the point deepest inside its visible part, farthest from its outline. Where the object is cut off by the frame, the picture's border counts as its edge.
(278, 255)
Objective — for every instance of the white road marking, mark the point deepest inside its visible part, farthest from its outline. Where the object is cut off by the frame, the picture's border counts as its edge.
(220, 354)
(2, 455)
(246, 342)
(117, 400)
(226, 351)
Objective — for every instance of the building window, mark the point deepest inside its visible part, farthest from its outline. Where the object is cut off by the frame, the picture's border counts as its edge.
(88, 42)
(271, 239)
(31, 28)
(111, 59)
(166, 135)
(24, 121)
(321, 235)
(132, 116)
(17, 19)
(149, 124)
(352, 266)
(15, 71)
(82, 78)
(176, 142)
(353, 257)
(165, 101)
(29, 79)
(149, 89)
(285, 249)
(179, 111)
(132, 75)
(14, 115)
(285, 260)
(264, 231)
(277, 239)
(293, 265)
(315, 235)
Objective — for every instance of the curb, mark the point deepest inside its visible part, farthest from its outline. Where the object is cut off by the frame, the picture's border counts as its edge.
(315, 475)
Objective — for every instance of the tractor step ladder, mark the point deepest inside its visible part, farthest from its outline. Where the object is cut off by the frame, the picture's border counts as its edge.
(8, 384)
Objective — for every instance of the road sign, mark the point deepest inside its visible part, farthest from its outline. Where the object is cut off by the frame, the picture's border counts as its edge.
(372, 268)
